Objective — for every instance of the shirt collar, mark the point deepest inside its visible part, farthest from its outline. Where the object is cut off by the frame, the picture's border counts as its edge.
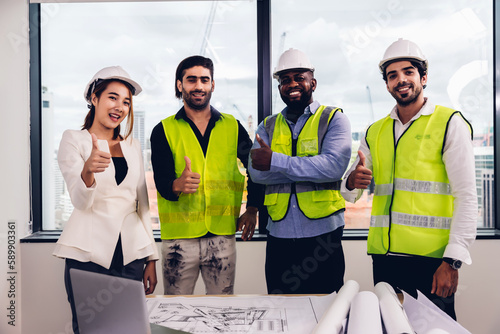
(216, 115)
(309, 109)
(427, 109)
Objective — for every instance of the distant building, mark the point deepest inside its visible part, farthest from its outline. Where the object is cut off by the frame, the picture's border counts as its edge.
(59, 193)
(139, 131)
(485, 184)
(48, 158)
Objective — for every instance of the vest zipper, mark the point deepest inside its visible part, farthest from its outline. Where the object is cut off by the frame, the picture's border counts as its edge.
(396, 142)
(294, 151)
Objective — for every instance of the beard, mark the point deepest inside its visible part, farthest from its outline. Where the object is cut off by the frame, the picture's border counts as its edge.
(407, 98)
(196, 104)
(300, 104)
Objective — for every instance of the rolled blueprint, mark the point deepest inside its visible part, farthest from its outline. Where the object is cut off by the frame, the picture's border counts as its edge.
(426, 318)
(364, 316)
(437, 331)
(393, 314)
(331, 321)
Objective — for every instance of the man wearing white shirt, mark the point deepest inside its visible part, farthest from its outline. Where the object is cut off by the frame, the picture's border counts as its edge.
(424, 209)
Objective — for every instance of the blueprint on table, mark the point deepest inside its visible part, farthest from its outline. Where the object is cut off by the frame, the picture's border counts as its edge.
(248, 314)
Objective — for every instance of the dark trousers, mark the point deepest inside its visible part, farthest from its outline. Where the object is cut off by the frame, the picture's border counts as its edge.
(305, 265)
(411, 273)
(133, 270)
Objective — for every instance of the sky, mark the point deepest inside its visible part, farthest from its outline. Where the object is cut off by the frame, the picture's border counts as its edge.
(344, 40)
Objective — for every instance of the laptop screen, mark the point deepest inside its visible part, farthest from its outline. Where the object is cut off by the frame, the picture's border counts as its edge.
(109, 304)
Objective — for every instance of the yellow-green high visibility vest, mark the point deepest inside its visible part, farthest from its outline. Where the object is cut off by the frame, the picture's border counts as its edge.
(215, 206)
(412, 204)
(315, 200)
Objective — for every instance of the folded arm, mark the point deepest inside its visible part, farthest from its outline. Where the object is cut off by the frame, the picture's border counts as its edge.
(328, 166)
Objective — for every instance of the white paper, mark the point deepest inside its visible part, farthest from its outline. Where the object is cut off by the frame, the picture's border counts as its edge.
(427, 318)
(393, 314)
(364, 316)
(252, 314)
(437, 331)
(332, 320)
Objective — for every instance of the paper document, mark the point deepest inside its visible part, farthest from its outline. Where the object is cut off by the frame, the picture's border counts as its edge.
(252, 314)
(427, 318)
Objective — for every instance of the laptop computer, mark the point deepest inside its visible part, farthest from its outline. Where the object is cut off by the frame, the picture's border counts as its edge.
(108, 305)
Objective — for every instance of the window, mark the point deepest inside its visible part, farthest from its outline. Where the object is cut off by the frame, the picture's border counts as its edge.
(148, 40)
(345, 42)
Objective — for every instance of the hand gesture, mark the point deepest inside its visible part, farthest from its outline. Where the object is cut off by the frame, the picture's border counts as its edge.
(97, 162)
(261, 157)
(188, 182)
(361, 177)
(247, 222)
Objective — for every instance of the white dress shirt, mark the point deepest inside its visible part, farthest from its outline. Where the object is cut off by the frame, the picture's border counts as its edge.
(458, 158)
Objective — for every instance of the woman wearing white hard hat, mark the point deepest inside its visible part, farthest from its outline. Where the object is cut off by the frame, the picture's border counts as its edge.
(109, 231)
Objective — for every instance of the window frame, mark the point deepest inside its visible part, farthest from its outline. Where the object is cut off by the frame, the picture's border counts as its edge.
(264, 104)
(264, 88)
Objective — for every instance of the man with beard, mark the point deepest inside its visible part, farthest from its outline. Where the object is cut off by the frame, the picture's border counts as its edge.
(425, 204)
(194, 157)
(300, 155)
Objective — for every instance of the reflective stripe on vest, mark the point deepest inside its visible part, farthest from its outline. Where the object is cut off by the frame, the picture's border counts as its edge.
(411, 220)
(315, 200)
(412, 205)
(215, 206)
(427, 187)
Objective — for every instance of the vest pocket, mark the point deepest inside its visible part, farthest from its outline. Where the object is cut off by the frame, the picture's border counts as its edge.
(308, 147)
(282, 140)
(271, 199)
(323, 196)
(282, 144)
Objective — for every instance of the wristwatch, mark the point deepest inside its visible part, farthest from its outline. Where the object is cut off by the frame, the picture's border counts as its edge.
(455, 264)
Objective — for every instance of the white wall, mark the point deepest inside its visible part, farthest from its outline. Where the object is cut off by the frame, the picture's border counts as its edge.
(46, 311)
(14, 151)
(45, 307)
(43, 302)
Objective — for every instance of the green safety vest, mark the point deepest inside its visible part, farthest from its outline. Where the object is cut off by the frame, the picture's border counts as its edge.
(215, 206)
(412, 204)
(315, 200)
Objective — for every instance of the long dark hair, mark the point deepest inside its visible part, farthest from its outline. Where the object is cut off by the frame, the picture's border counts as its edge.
(99, 88)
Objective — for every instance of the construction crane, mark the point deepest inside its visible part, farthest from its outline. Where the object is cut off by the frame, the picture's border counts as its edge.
(280, 51)
(208, 29)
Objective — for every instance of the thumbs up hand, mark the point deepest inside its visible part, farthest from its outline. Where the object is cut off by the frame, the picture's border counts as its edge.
(361, 177)
(188, 182)
(97, 162)
(261, 157)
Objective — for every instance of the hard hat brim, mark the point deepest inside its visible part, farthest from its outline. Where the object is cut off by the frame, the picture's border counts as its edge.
(137, 88)
(111, 73)
(276, 74)
(386, 62)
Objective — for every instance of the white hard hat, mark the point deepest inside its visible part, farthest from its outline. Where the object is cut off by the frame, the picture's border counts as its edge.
(402, 49)
(107, 73)
(292, 59)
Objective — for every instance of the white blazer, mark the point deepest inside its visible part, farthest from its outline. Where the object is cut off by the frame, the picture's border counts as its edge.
(105, 210)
